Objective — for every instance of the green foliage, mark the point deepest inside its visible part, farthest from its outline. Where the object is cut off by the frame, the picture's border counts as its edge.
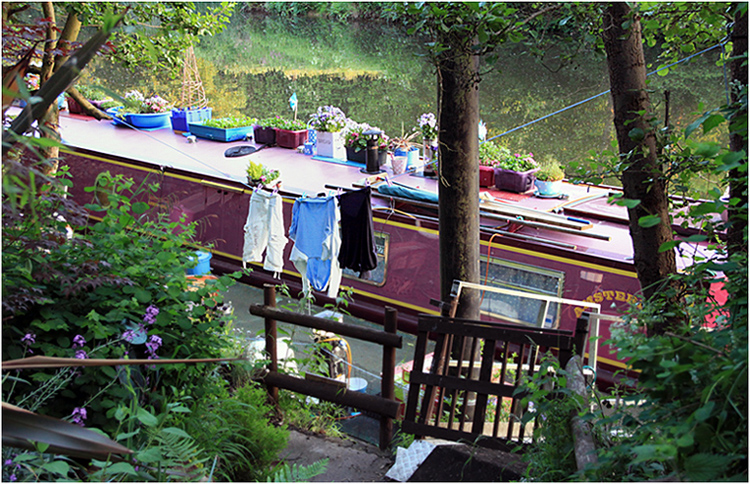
(552, 457)
(282, 123)
(550, 171)
(154, 35)
(687, 417)
(238, 430)
(92, 93)
(297, 473)
(229, 122)
(116, 287)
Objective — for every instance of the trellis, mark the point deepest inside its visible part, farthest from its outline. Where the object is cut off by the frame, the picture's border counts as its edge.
(193, 95)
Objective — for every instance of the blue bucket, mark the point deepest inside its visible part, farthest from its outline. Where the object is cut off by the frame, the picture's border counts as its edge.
(204, 264)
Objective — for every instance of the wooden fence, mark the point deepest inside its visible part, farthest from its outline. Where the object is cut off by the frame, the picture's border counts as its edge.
(386, 405)
(480, 403)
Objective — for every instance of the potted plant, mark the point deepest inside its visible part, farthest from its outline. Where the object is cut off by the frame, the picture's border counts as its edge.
(489, 152)
(402, 147)
(142, 112)
(514, 172)
(356, 144)
(290, 134)
(259, 174)
(549, 178)
(265, 131)
(328, 123)
(224, 129)
(427, 125)
(94, 95)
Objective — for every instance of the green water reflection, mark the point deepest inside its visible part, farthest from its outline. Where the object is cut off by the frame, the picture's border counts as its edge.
(374, 72)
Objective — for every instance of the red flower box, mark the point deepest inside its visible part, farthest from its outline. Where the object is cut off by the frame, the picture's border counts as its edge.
(486, 176)
(290, 139)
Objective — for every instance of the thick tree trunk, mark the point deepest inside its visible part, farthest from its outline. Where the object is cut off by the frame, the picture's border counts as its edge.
(459, 177)
(642, 179)
(738, 140)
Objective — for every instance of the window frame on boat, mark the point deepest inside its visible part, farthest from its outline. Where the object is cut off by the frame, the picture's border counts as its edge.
(553, 311)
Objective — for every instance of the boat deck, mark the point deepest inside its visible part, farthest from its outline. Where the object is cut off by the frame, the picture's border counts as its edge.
(303, 175)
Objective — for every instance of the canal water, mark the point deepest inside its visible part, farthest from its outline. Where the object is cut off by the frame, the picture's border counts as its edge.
(366, 357)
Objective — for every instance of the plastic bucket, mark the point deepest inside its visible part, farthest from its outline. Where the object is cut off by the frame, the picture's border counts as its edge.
(357, 385)
(204, 264)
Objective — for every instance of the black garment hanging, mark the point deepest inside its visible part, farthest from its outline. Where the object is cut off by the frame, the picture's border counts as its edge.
(357, 234)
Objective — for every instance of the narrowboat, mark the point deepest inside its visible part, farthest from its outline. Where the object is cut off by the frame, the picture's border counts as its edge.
(575, 247)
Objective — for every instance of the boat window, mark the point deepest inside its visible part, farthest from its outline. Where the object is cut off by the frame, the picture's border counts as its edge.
(377, 275)
(525, 278)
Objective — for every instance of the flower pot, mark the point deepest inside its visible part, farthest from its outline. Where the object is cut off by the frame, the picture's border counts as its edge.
(356, 156)
(74, 107)
(148, 120)
(181, 118)
(331, 144)
(264, 136)
(399, 164)
(486, 176)
(514, 181)
(548, 188)
(287, 138)
(412, 158)
(115, 120)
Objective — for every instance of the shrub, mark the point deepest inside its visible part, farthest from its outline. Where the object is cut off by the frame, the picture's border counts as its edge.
(115, 288)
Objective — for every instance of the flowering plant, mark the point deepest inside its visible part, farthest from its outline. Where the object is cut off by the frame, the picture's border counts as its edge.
(328, 118)
(491, 154)
(428, 126)
(258, 172)
(353, 136)
(143, 105)
(516, 161)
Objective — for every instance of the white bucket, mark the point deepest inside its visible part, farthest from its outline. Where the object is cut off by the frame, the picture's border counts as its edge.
(357, 385)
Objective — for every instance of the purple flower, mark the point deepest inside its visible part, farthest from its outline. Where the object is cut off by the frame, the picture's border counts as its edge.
(79, 415)
(153, 345)
(8, 462)
(150, 316)
(29, 338)
(79, 341)
(81, 355)
(12, 478)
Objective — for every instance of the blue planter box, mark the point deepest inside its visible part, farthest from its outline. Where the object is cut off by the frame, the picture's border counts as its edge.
(220, 134)
(181, 118)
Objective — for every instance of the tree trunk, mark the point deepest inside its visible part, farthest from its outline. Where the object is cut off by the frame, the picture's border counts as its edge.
(642, 179)
(459, 177)
(737, 232)
(51, 120)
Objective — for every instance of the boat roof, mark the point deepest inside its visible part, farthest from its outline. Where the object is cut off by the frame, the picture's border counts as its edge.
(605, 233)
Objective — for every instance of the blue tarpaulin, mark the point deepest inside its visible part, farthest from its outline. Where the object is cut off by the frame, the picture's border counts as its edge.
(406, 192)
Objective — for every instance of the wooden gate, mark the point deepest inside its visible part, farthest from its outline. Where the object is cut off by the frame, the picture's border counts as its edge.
(480, 403)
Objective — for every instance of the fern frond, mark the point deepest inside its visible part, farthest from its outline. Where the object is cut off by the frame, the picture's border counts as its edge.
(299, 473)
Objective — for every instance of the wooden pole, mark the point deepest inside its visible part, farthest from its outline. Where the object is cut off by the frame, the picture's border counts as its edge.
(269, 299)
(387, 382)
(583, 442)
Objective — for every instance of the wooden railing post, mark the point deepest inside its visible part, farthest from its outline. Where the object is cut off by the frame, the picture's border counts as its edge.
(269, 299)
(387, 385)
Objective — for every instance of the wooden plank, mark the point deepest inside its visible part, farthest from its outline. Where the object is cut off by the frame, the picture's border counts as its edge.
(517, 336)
(341, 329)
(332, 393)
(486, 202)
